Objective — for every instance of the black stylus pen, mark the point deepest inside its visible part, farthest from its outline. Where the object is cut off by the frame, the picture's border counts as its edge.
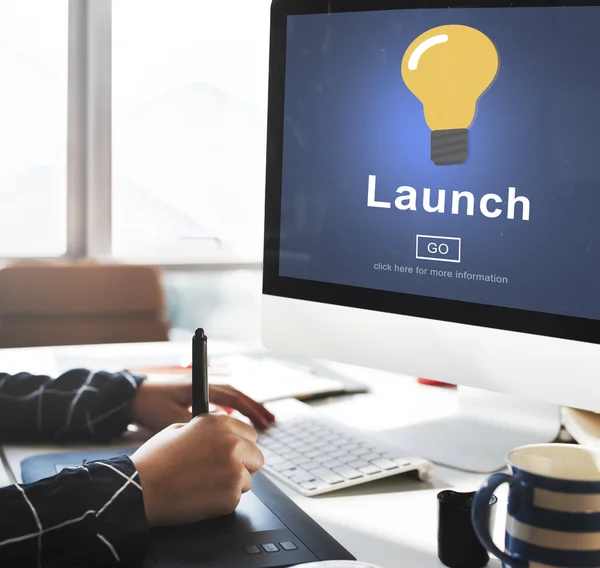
(199, 374)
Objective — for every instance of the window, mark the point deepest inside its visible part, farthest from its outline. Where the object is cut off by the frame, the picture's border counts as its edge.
(189, 102)
(33, 128)
(226, 302)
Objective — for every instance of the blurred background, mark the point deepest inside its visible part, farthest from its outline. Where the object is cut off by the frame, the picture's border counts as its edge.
(133, 132)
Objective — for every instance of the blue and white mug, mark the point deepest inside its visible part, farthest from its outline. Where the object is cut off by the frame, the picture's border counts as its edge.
(553, 507)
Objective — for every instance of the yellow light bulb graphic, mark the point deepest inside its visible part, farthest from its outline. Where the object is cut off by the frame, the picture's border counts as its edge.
(448, 69)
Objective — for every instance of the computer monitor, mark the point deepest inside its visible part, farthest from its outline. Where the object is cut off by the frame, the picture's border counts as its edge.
(433, 204)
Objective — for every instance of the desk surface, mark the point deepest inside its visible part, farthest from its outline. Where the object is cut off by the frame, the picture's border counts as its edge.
(391, 523)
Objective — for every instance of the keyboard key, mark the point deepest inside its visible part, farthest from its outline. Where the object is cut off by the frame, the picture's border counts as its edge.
(390, 455)
(322, 458)
(358, 463)
(385, 464)
(351, 446)
(302, 460)
(332, 464)
(288, 546)
(291, 455)
(289, 472)
(320, 444)
(306, 437)
(338, 453)
(274, 460)
(309, 486)
(302, 476)
(395, 456)
(313, 453)
(252, 549)
(327, 476)
(369, 470)
(361, 452)
(283, 466)
(370, 457)
(310, 465)
(348, 458)
(348, 472)
(270, 547)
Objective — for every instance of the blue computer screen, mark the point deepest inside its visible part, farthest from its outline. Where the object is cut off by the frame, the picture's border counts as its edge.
(449, 153)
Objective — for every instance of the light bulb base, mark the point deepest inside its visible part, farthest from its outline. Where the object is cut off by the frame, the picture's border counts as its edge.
(449, 147)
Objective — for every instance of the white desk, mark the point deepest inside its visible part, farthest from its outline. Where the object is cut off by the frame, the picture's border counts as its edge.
(391, 523)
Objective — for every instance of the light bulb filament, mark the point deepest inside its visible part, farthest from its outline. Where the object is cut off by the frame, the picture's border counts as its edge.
(413, 62)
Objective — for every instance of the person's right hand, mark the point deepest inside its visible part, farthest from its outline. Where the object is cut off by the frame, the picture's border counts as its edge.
(197, 470)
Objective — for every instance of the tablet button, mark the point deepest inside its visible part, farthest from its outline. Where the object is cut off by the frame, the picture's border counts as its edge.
(270, 548)
(252, 549)
(288, 546)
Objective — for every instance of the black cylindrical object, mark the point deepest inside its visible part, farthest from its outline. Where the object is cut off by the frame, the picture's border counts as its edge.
(458, 545)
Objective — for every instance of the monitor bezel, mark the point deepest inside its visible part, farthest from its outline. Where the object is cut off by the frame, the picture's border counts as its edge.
(454, 311)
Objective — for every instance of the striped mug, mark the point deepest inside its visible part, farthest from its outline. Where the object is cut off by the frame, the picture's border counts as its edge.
(553, 507)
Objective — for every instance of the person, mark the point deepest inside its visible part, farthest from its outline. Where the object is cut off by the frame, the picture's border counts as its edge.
(100, 513)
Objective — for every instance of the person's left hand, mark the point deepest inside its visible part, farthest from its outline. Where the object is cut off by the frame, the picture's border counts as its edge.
(162, 402)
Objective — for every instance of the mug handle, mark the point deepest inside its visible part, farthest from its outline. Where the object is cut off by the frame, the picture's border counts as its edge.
(481, 516)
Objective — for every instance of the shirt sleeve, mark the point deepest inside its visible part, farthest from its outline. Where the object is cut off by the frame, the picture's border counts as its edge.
(89, 516)
(79, 405)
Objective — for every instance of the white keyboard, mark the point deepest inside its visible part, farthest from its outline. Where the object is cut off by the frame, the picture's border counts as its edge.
(314, 454)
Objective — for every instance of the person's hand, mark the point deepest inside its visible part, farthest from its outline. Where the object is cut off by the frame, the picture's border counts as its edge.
(197, 470)
(162, 402)
(228, 397)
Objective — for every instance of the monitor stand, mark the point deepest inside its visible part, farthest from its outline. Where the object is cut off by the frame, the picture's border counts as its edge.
(486, 427)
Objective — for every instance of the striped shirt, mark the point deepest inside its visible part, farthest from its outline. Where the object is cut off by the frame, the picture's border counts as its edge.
(89, 516)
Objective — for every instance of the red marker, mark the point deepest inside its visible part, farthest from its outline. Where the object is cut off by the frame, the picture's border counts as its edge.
(431, 383)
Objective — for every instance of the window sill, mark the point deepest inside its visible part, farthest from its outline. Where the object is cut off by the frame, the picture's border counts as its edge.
(192, 264)
(172, 265)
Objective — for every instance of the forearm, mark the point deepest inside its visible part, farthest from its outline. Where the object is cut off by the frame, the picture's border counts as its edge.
(90, 516)
(78, 405)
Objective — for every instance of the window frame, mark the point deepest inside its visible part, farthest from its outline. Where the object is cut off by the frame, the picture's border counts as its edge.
(89, 147)
(89, 211)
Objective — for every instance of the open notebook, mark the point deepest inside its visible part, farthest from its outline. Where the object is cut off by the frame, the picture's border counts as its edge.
(267, 378)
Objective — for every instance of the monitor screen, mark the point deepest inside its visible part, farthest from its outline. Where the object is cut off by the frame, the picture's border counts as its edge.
(445, 153)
